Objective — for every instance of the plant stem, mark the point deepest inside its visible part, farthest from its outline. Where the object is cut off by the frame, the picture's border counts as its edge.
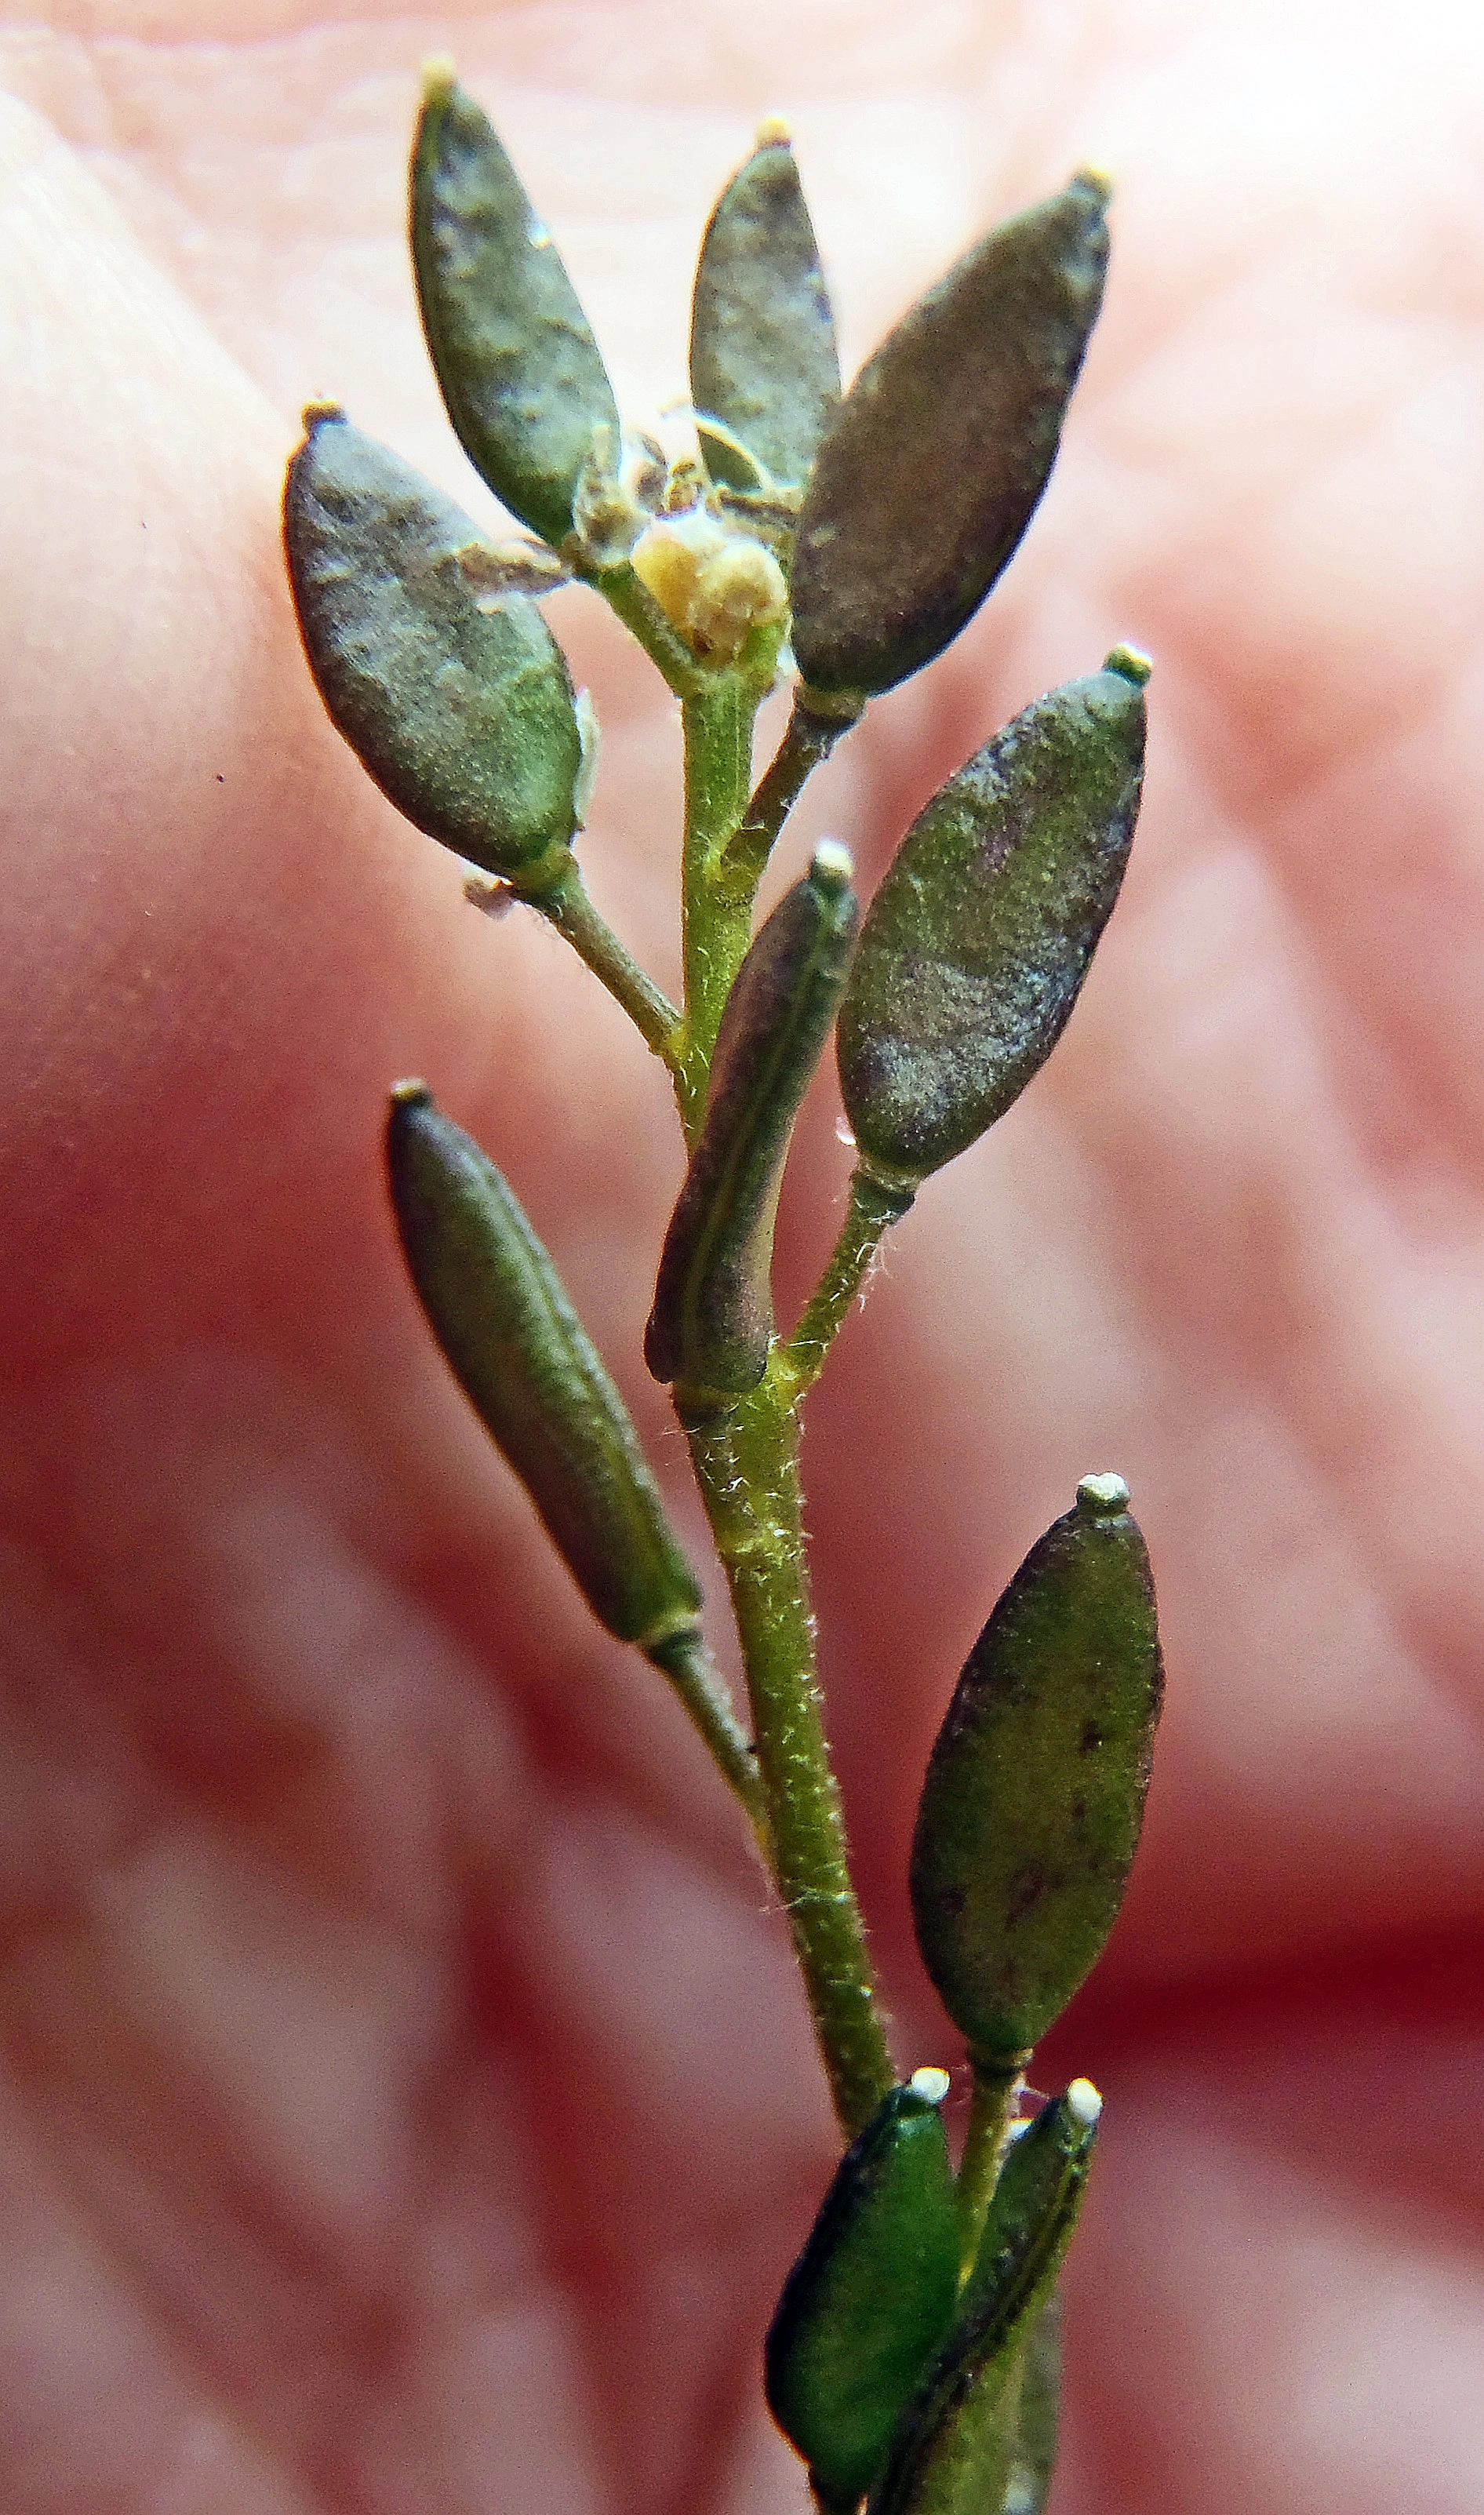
(625, 591)
(688, 1663)
(718, 719)
(995, 2096)
(872, 1208)
(572, 911)
(809, 739)
(746, 1466)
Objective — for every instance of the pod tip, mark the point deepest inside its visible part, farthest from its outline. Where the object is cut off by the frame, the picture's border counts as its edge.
(439, 77)
(1131, 662)
(1082, 2103)
(1095, 180)
(931, 2084)
(773, 132)
(1102, 1497)
(833, 867)
(411, 1094)
(321, 407)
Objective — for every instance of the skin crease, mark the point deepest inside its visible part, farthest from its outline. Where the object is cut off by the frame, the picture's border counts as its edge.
(407, 2108)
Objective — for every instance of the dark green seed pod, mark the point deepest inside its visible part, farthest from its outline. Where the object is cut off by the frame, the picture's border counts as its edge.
(1031, 1809)
(941, 449)
(977, 941)
(497, 1307)
(712, 1323)
(519, 369)
(871, 2295)
(1038, 2416)
(958, 2441)
(456, 698)
(763, 355)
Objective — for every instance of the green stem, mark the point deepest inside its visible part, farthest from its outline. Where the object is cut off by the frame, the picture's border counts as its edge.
(718, 719)
(808, 740)
(996, 2094)
(570, 910)
(688, 1663)
(746, 1466)
(872, 1206)
(625, 591)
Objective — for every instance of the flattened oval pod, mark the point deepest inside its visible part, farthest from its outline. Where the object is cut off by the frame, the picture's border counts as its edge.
(763, 354)
(938, 454)
(870, 2296)
(519, 369)
(457, 699)
(517, 1348)
(976, 946)
(1034, 1797)
(713, 1317)
(956, 2445)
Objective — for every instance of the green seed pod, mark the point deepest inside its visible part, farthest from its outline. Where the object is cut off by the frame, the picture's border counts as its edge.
(763, 355)
(956, 2444)
(940, 450)
(497, 1307)
(1031, 1810)
(977, 941)
(516, 361)
(1034, 2455)
(456, 698)
(712, 1323)
(871, 2295)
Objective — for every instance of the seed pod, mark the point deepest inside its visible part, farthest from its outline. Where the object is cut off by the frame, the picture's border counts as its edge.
(497, 1307)
(763, 355)
(456, 698)
(870, 2296)
(940, 450)
(1038, 2414)
(713, 1317)
(977, 941)
(1031, 1809)
(956, 2443)
(516, 361)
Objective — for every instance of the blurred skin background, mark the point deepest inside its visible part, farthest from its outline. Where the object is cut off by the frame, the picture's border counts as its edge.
(407, 2106)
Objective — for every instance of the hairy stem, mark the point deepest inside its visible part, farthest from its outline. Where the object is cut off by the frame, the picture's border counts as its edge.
(570, 910)
(872, 1208)
(688, 1663)
(746, 1466)
(808, 740)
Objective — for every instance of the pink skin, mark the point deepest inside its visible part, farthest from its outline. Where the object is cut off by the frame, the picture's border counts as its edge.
(407, 2106)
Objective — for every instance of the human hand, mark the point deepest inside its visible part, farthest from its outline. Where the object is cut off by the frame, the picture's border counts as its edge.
(406, 2101)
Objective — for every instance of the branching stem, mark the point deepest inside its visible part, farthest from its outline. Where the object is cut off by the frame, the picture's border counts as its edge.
(688, 1663)
(625, 591)
(572, 911)
(872, 1206)
(809, 740)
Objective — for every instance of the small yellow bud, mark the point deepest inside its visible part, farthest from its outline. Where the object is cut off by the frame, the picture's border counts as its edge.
(741, 588)
(670, 558)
